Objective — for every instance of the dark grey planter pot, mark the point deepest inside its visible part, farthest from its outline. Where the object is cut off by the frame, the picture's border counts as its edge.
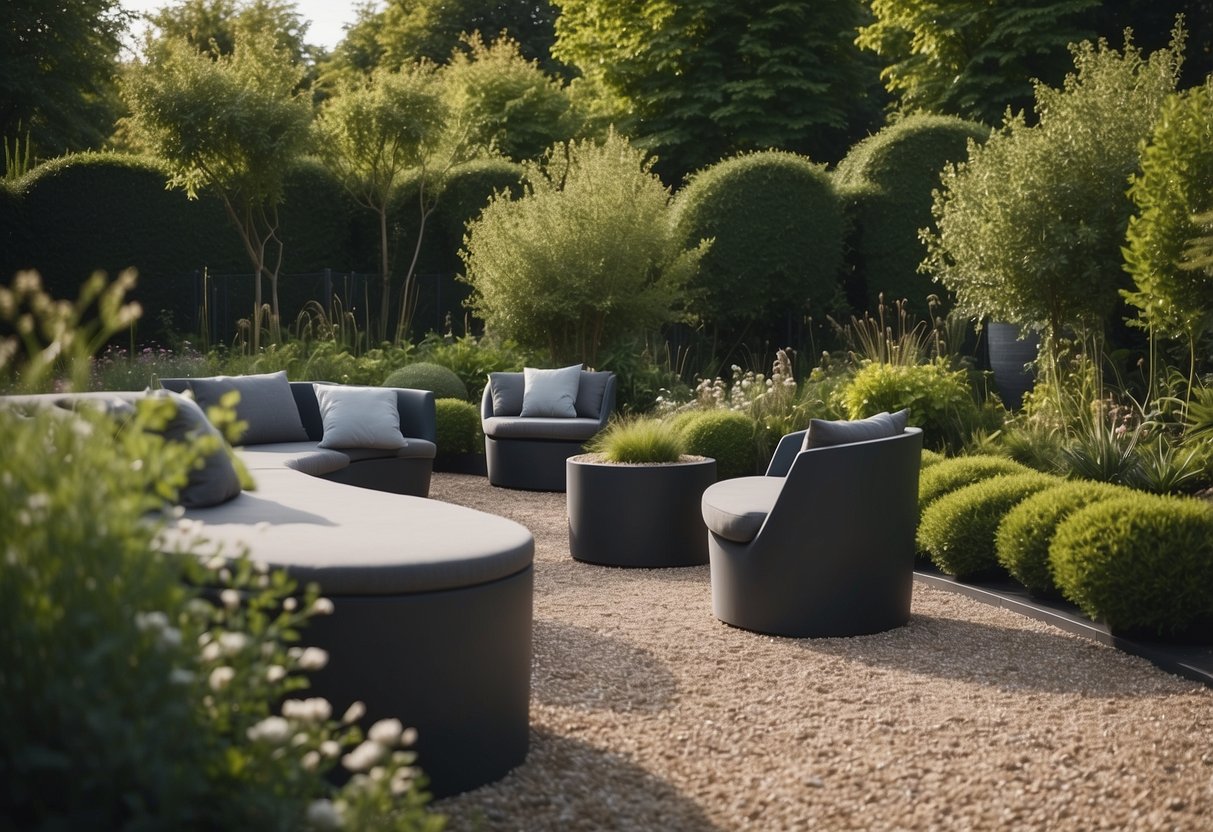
(1008, 355)
(638, 515)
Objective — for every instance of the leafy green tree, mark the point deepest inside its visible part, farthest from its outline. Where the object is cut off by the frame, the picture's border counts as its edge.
(232, 125)
(703, 80)
(1175, 183)
(508, 102)
(212, 26)
(586, 258)
(1030, 227)
(973, 60)
(374, 131)
(57, 64)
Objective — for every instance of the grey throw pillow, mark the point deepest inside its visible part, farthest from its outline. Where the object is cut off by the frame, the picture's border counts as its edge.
(266, 403)
(506, 390)
(216, 481)
(359, 417)
(823, 433)
(551, 393)
(589, 394)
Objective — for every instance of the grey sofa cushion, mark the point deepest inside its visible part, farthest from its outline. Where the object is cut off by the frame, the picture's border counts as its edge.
(736, 509)
(298, 456)
(359, 417)
(507, 389)
(524, 427)
(266, 403)
(823, 433)
(216, 481)
(550, 393)
(589, 394)
(413, 449)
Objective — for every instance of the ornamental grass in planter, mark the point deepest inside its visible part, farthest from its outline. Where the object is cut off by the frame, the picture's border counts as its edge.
(633, 500)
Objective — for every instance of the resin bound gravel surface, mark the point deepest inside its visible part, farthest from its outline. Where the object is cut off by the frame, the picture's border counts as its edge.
(649, 714)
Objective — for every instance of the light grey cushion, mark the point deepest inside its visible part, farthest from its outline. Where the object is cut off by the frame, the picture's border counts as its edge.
(550, 393)
(359, 417)
(736, 509)
(361, 541)
(265, 403)
(823, 433)
(519, 427)
(589, 394)
(298, 456)
(507, 390)
(216, 481)
(412, 449)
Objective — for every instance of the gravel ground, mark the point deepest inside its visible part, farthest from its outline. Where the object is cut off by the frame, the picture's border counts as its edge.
(649, 714)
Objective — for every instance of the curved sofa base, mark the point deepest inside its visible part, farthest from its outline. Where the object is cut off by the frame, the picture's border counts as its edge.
(395, 476)
(454, 664)
(529, 464)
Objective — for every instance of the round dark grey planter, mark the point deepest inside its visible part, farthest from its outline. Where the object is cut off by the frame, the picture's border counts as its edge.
(1008, 355)
(638, 515)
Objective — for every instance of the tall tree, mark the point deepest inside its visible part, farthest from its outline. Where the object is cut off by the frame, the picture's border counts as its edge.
(370, 134)
(212, 26)
(231, 125)
(973, 60)
(702, 80)
(57, 64)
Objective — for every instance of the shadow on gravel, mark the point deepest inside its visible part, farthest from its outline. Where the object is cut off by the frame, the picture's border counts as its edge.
(1000, 657)
(575, 667)
(566, 784)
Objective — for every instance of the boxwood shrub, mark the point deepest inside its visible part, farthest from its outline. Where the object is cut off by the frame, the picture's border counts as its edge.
(947, 475)
(458, 427)
(727, 436)
(1139, 562)
(939, 400)
(423, 375)
(930, 458)
(1022, 544)
(957, 531)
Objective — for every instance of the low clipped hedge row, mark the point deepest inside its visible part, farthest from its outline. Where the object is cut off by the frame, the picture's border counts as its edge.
(1136, 561)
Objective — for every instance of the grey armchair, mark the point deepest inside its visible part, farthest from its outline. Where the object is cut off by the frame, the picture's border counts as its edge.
(823, 545)
(529, 452)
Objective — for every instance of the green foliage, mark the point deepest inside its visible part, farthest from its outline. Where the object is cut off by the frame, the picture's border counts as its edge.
(507, 102)
(1138, 562)
(885, 184)
(726, 436)
(1030, 227)
(57, 68)
(700, 81)
(213, 26)
(232, 125)
(930, 458)
(586, 258)
(466, 192)
(953, 473)
(940, 400)
(369, 133)
(458, 427)
(1023, 539)
(973, 60)
(958, 529)
(638, 441)
(424, 375)
(1174, 185)
(321, 360)
(776, 228)
(472, 358)
(116, 369)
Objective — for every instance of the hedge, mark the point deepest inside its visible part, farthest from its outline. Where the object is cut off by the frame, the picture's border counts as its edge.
(950, 474)
(885, 185)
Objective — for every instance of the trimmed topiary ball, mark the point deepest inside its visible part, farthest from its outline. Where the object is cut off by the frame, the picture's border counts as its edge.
(458, 427)
(1139, 562)
(443, 382)
(957, 531)
(1023, 539)
(947, 475)
(726, 436)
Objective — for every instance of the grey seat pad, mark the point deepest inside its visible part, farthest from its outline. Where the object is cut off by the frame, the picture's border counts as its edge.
(517, 427)
(736, 509)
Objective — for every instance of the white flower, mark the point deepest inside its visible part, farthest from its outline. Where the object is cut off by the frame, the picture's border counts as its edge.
(221, 677)
(210, 652)
(230, 598)
(323, 815)
(316, 709)
(232, 642)
(290, 604)
(275, 673)
(311, 760)
(313, 658)
(330, 748)
(364, 756)
(354, 713)
(273, 729)
(386, 732)
(169, 638)
(322, 606)
(409, 736)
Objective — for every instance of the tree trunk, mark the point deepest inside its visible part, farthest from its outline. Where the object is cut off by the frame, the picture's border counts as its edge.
(385, 303)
